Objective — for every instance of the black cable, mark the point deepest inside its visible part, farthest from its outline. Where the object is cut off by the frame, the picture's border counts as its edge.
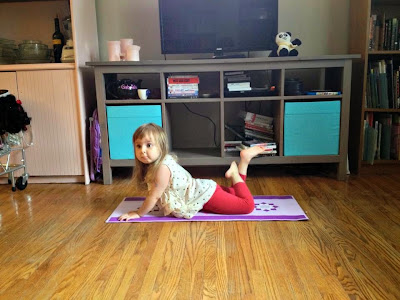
(215, 126)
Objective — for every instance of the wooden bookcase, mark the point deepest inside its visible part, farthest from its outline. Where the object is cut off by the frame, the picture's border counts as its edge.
(324, 72)
(359, 43)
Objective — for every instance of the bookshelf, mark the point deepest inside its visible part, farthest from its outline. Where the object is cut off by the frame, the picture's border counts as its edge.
(374, 39)
(199, 142)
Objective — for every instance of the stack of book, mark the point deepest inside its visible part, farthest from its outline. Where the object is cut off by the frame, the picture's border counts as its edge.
(381, 137)
(237, 81)
(258, 127)
(183, 86)
(395, 138)
(270, 148)
(383, 84)
(232, 146)
(237, 146)
(384, 33)
(378, 85)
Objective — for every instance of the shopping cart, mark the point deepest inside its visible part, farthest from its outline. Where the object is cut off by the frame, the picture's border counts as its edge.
(10, 143)
(13, 141)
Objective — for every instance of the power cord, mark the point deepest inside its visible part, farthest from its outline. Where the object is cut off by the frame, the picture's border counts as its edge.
(215, 126)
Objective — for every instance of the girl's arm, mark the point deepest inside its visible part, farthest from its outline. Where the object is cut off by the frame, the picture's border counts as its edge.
(161, 182)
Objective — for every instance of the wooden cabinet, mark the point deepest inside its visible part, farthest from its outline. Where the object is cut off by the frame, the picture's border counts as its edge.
(48, 96)
(366, 108)
(55, 123)
(60, 97)
(196, 128)
(9, 81)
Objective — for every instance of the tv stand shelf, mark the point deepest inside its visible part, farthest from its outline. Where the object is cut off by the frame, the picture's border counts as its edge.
(191, 134)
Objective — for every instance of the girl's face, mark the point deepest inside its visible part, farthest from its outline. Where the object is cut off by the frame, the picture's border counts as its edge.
(146, 149)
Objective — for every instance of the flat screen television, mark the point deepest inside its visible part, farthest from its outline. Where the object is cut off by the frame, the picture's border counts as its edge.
(202, 26)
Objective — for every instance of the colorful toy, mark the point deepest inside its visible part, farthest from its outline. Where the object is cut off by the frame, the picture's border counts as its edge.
(285, 47)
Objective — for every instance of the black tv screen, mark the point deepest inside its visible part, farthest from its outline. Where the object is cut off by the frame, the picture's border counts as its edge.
(202, 26)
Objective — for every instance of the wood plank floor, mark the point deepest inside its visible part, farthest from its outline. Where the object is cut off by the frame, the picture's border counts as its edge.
(54, 244)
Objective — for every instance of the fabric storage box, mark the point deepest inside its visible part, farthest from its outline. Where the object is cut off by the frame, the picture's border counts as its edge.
(122, 123)
(311, 128)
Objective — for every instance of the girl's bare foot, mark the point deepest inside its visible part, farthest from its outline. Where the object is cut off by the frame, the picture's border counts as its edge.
(247, 154)
(233, 173)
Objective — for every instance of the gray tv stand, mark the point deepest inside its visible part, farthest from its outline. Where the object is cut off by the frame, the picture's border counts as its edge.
(192, 138)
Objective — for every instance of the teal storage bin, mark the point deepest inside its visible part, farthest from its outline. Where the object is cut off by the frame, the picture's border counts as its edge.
(311, 128)
(122, 123)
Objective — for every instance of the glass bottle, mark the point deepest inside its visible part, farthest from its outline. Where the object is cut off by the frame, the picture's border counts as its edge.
(58, 41)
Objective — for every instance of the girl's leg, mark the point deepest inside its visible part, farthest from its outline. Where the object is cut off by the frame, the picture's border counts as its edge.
(246, 156)
(237, 199)
(231, 190)
(226, 203)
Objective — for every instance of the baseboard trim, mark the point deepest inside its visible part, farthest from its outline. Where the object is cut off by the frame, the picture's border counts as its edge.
(52, 179)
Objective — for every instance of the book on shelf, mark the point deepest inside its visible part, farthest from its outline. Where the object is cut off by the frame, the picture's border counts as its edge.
(234, 73)
(378, 127)
(258, 135)
(231, 146)
(370, 143)
(382, 89)
(395, 138)
(252, 143)
(189, 90)
(372, 26)
(232, 143)
(238, 86)
(237, 81)
(236, 146)
(381, 136)
(383, 33)
(386, 121)
(238, 78)
(183, 80)
(324, 93)
(182, 95)
(267, 151)
(255, 118)
(267, 128)
(239, 89)
(183, 86)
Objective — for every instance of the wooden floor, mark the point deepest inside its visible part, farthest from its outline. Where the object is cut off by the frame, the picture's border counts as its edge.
(54, 244)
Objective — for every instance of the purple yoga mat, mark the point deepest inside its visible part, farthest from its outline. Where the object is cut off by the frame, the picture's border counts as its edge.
(267, 208)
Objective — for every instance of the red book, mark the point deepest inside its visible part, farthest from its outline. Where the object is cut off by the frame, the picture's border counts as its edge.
(258, 127)
(183, 80)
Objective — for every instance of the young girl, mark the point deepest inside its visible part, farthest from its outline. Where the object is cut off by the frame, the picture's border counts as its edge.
(174, 190)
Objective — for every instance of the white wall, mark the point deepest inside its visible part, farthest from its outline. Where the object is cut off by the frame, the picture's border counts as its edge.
(322, 25)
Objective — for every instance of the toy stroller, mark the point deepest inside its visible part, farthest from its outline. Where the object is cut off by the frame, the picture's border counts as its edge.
(13, 124)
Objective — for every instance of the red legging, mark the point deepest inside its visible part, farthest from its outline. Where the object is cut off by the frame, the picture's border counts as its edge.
(230, 201)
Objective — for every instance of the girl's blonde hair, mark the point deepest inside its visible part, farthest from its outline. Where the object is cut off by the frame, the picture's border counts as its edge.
(144, 173)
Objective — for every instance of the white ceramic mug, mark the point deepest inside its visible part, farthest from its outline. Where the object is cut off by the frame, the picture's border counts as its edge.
(143, 93)
(132, 52)
(114, 50)
(124, 46)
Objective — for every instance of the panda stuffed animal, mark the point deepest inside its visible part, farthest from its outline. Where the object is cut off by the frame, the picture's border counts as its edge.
(285, 47)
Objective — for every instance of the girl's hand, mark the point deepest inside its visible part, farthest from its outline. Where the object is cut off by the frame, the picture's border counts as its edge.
(129, 216)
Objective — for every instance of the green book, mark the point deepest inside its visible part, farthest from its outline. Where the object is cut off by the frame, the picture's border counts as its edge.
(386, 121)
(372, 134)
(384, 98)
